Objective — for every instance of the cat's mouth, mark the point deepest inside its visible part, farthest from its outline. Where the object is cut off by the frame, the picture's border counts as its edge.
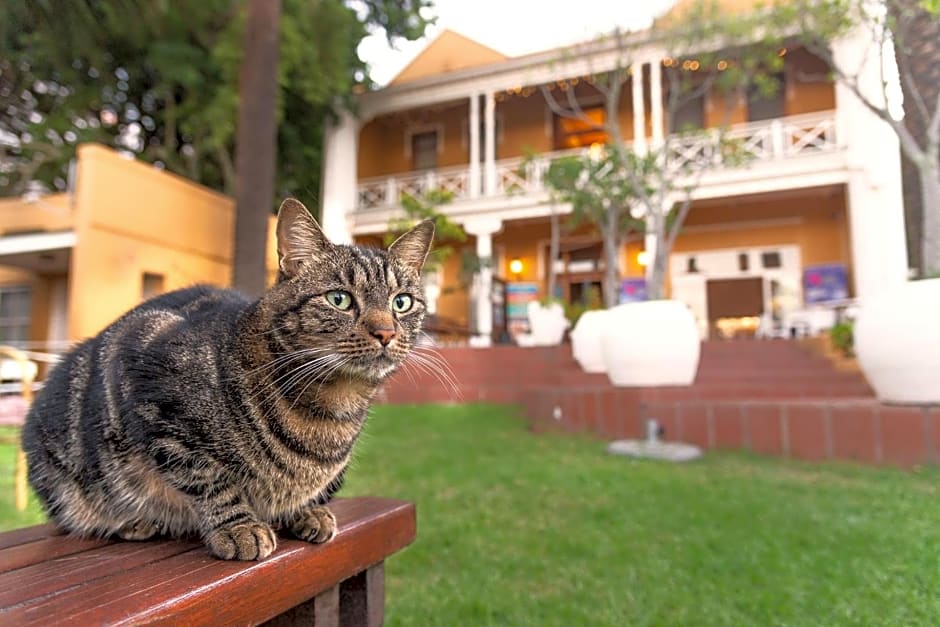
(375, 366)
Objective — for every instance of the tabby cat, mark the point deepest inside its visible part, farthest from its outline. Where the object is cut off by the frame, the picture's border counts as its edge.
(204, 412)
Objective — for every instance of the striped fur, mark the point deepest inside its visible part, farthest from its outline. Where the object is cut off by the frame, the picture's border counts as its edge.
(202, 412)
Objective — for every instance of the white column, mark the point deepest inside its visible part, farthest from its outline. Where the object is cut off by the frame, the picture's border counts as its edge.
(474, 136)
(874, 190)
(639, 113)
(489, 151)
(656, 101)
(339, 187)
(483, 230)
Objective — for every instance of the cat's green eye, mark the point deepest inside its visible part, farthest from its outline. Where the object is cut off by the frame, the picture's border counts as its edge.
(402, 303)
(339, 299)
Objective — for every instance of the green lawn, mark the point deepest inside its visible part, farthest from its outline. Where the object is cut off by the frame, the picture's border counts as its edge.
(516, 529)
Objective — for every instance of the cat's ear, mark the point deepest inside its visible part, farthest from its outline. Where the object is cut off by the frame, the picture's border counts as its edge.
(300, 241)
(412, 248)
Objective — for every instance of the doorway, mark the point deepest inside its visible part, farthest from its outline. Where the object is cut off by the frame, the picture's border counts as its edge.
(734, 306)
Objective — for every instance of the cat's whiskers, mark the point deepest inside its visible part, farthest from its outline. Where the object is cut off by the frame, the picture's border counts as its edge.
(241, 375)
(324, 378)
(438, 369)
(435, 356)
(287, 357)
(294, 376)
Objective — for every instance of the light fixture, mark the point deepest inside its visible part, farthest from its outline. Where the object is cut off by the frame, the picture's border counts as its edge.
(643, 258)
(515, 266)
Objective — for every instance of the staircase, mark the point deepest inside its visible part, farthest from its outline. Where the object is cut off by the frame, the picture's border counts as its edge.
(767, 369)
(768, 396)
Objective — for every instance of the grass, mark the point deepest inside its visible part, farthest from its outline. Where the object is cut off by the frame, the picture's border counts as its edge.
(516, 529)
(10, 518)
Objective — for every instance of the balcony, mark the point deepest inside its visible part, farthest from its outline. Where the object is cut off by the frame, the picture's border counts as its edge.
(764, 142)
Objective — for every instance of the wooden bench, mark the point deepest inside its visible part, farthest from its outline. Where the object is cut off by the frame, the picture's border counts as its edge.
(49, 578)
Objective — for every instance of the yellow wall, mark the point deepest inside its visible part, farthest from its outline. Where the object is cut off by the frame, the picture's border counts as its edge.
(47, 213)
(822, 230)
(525, 125)
(132, 218)
(816, 222)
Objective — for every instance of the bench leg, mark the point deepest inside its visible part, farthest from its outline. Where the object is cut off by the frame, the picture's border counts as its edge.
(357, 602)
(362, 598)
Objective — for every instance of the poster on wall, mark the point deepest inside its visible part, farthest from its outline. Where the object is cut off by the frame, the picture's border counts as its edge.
(518, 296)
(825, 283)
(632, 291)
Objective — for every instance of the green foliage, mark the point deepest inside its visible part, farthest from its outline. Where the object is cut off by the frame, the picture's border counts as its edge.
(843, 338)
(159, 79)
(593, 302)
(446, 231)
(595, 182)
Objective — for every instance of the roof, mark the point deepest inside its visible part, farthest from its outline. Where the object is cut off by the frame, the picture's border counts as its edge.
(448, 52)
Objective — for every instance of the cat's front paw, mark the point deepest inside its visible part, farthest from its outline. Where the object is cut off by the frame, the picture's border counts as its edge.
(242, 541)
(317, 525)
(137, 530)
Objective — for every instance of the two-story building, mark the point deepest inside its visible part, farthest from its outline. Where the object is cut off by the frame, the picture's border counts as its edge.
(816, 214)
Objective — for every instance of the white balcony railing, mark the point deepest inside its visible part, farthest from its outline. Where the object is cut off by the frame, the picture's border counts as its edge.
(781, 138)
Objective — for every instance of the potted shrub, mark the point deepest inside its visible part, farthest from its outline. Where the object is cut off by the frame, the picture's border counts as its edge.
(897, 341)
(547, 323)
(654, 343)
(586, 347)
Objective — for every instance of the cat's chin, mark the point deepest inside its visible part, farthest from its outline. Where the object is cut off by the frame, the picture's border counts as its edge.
(374, 369)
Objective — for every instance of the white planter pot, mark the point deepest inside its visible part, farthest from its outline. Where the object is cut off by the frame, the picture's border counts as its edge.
(586, 346)
(651, 344)
(897, 341)
(547, 325)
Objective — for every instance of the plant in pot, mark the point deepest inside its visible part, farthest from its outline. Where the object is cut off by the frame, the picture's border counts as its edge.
(628, 186)
(896, 334)
(547, 322)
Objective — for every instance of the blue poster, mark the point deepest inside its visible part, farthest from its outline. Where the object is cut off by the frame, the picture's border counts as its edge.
(632, 291)
(825, 283)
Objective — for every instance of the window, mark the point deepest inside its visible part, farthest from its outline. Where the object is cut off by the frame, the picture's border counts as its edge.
(151, 285)
(761, 106)
(771, 260)
(576, 132)
(691, 265)
(744, 262)
(690, 115)
(424, 150)
(15, 305)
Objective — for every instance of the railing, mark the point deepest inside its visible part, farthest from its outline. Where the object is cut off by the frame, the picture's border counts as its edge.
(50, 578)
(776, 139)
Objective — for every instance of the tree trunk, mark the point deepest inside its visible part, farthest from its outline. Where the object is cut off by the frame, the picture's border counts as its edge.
(553, 252)
(930, 203)
(655, 288)
(256, 144)
(917, 53)
(611, 259)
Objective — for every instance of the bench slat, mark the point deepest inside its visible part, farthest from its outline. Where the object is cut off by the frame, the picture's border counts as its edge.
(28, 534)
(46, 549)
(38, 580)
(193, 588)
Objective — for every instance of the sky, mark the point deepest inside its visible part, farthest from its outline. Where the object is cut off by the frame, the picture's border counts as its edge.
(514, 27)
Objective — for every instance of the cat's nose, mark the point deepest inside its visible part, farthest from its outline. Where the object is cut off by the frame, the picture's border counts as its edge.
(383, 335)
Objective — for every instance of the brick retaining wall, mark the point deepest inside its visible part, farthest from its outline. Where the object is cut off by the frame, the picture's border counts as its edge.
(769, 397)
